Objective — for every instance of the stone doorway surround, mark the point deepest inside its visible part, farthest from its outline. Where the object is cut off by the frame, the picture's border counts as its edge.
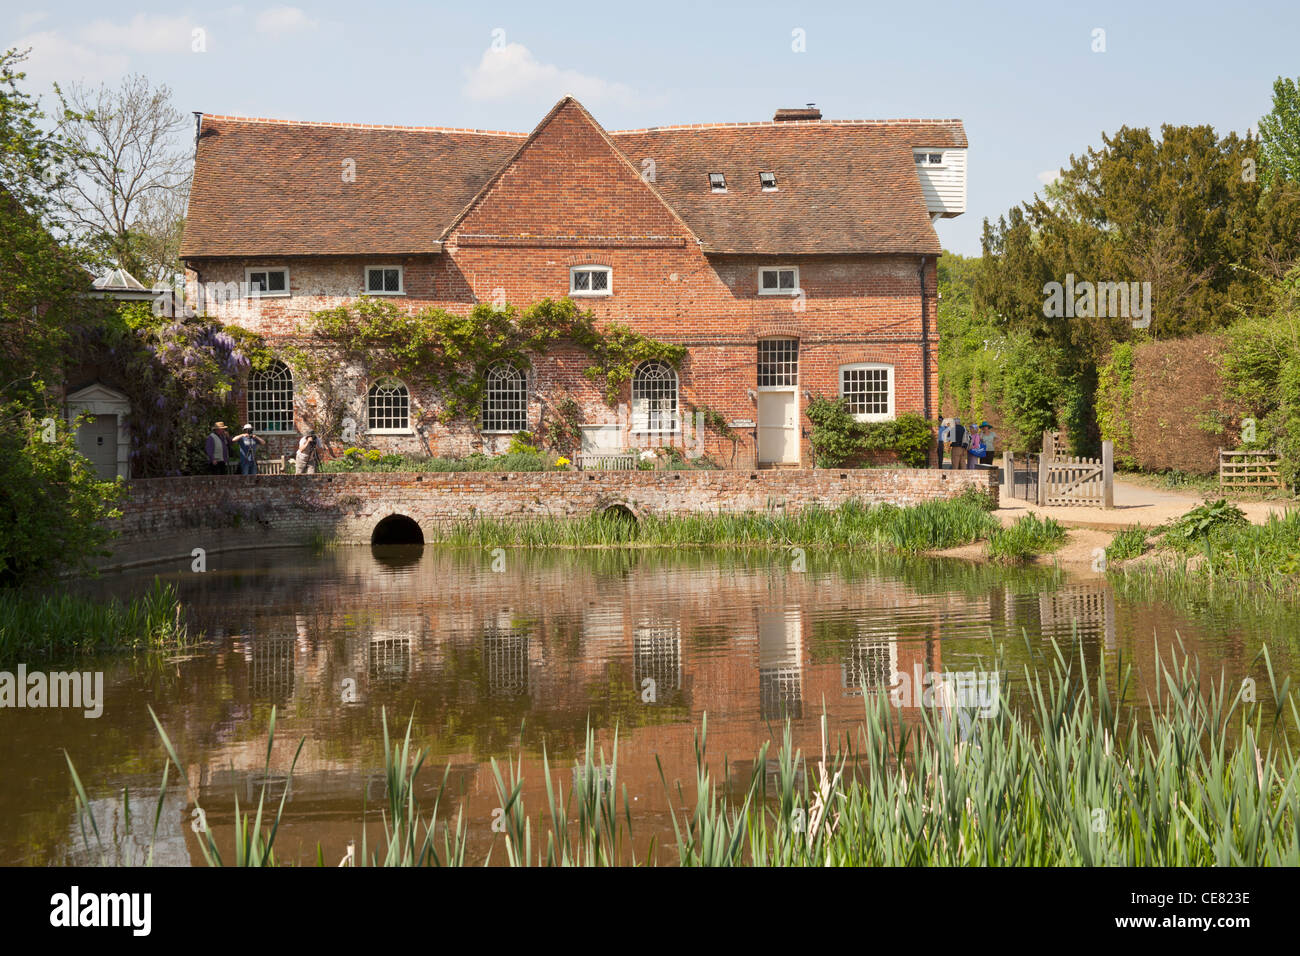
(99, 399)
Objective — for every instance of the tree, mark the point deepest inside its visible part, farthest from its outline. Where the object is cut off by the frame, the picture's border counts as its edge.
(1279, 134)
(128, 198)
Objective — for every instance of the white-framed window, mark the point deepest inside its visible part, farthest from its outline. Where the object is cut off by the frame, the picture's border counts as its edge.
(778, 363)
(388, 408)
(270, 399)
(778, 280)
(930, 158)
(384, 280)
(868, 390)
(718, 182)
(263, 283)
(767, 181)
(505, 400)
(591, 280)
(654, 398)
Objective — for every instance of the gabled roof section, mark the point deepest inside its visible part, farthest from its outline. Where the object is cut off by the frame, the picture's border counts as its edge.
(842, 186)
(278, 188)
(568, 182)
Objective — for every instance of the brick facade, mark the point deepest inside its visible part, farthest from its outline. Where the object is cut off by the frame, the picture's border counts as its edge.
(570, 197)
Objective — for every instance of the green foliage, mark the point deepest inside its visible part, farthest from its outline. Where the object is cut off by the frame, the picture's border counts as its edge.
(562, 428)
(454, 352)
(357, 459)
(53, 507)
(839, 438)
(57, 626)
(1115, 403)
(1261, 372)
(1279, 134)
(1128, 543)
(1203, 520)
(1029, 536)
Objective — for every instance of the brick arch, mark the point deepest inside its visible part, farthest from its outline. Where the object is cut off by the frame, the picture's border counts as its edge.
(854, 356)
(778, 329)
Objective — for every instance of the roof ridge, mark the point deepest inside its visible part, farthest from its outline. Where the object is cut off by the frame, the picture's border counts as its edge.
(390, 126)
(788, 123)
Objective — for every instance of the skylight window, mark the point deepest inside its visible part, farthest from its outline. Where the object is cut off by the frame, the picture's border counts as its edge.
(718, 182)
(767, 181)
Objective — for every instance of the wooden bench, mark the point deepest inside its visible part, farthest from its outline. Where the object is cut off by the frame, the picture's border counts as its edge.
(607, 462)
(272, 466)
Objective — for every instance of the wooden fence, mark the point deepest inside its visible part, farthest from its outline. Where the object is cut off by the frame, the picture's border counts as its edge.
(1054, 479)
(1249, 469)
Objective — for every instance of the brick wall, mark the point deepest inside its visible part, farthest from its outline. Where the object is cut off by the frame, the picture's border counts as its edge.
(166, 518)
(571, 199)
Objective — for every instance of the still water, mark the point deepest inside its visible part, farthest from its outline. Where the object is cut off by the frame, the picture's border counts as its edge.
(495, 663)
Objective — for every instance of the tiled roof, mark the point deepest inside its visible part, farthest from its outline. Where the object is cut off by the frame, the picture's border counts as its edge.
(276, 187)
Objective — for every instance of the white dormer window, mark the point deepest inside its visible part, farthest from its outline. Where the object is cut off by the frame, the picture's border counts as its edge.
(591, 280)
(767, 181)
(267, 282)
(718, 182)
(927, 157)
(782, 280)
(384, 280)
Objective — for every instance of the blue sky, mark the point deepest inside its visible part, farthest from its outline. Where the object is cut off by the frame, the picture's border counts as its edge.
(1023, 76)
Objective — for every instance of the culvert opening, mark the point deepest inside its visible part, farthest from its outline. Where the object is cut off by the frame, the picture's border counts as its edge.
(620, 512)
(397, 529)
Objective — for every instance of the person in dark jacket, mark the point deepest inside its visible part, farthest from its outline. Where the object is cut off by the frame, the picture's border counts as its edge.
(217, 448)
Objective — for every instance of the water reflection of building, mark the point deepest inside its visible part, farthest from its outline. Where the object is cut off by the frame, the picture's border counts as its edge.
(128, 839)
(780, 664)
(272, 660)
(388, 657)
(657, 655)
(871, 661)
(505, 662)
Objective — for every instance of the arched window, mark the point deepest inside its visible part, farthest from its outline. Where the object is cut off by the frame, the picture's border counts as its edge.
(654, 398)
(505, 401)
(388, 407)
(270, 399)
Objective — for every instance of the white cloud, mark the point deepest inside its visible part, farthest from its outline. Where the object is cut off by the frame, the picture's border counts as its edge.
(57, 58)
(513, 71)
(143, 34)
(283, 20)
(1049, 176)
(29, 20)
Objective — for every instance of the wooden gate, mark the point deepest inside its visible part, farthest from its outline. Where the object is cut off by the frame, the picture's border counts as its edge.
(1062, 479)
(1248, 469)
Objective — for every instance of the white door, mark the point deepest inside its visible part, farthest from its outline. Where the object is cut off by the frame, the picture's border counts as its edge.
(778, 428)
(97, 440)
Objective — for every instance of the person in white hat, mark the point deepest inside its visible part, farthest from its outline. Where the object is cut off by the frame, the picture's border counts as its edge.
(247, 444)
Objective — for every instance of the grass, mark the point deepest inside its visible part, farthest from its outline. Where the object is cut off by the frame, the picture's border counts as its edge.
(929, 526)
(1030, 535)
(1202, 775)
(1128, 543)
(41, 625)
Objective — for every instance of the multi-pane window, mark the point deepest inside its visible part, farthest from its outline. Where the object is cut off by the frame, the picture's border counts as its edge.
(718, 182)
(928, 159)
(782, 281)
(654, 398)
(388, 407)
(867, 390)
(589, 280)
(264, 282)
(270, 399)
(767, 181)
(505, 400)
(384, 280)
(778, 363)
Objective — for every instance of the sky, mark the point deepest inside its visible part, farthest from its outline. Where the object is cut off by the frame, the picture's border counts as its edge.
(1034, 83)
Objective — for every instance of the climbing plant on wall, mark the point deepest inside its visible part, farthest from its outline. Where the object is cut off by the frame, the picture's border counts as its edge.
(453, 352)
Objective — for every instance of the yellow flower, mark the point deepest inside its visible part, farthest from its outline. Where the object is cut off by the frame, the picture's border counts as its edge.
(562, 461)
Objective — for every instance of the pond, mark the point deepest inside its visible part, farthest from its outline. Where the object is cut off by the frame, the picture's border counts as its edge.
(506, 653)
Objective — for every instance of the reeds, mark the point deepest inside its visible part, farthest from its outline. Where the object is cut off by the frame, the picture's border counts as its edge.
(1201, 774)
(929, 526)
(42, 625)
(1030, 535)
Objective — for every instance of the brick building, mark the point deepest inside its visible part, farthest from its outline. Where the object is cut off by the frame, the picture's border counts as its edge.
(793, 258)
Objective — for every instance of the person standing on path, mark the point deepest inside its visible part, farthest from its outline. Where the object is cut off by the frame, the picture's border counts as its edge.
(990, 438)
(975, 451)
(217, 448)
(308, 457)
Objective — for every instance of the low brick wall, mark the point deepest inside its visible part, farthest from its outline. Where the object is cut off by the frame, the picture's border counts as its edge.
(164, 519)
